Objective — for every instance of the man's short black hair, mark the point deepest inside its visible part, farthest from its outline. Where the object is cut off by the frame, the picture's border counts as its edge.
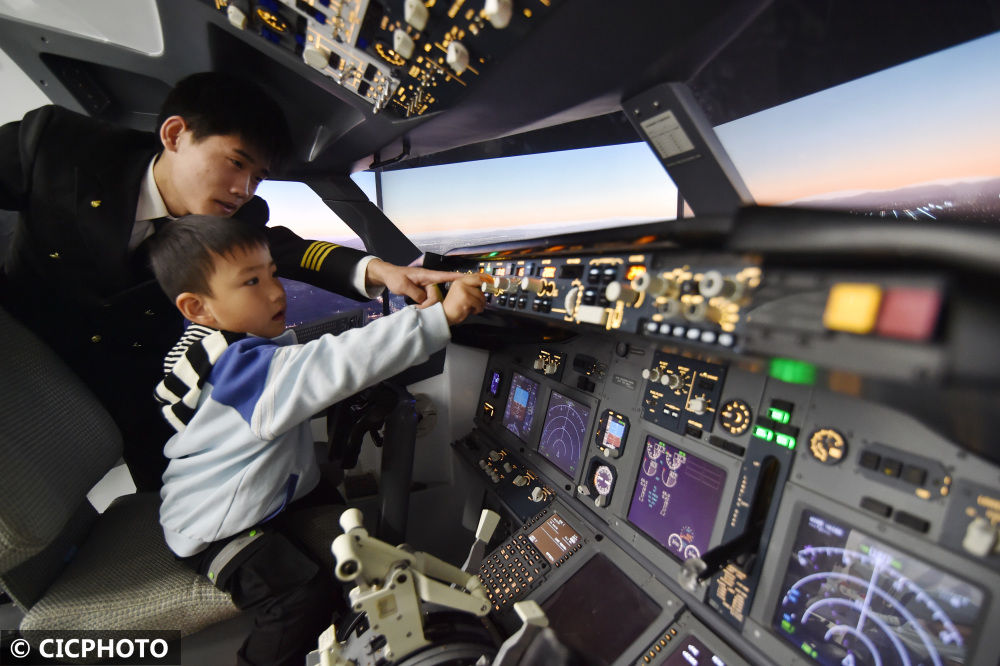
(213, 103)
(183, 252)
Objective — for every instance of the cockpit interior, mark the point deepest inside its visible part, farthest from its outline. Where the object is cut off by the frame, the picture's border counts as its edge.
(754, 429)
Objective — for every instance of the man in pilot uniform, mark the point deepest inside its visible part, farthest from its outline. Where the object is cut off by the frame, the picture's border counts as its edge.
(89, 193)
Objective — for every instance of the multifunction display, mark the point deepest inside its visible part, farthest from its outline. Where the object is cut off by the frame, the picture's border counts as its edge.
(850, 599)
(564, 433)
(520, 410)
(676, 498)
(555, 539)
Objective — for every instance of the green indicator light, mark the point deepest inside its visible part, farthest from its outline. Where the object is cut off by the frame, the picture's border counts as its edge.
(865, 548)
(779, 415)
(785, 440)
(493, 254)
(896, 564)
(764, 433)
(805, 648)
(792, 371)
(787, 626)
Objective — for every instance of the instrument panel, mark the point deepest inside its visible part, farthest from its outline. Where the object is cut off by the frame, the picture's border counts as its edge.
(785, 517)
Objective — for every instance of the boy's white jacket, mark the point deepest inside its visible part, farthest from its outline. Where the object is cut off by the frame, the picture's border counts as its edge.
(247, 448)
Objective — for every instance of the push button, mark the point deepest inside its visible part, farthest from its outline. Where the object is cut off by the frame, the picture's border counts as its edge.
(915, 475)
(870, 460)
(913, 522)
(875, 506)
(891, 467)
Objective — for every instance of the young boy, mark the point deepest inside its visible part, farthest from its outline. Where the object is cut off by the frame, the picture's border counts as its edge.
(88, 194)
(240, 393)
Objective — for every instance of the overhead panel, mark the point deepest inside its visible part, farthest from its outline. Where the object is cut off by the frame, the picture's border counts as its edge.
(406, 56)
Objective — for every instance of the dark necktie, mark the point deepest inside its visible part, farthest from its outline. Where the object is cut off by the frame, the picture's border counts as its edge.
(140, 256)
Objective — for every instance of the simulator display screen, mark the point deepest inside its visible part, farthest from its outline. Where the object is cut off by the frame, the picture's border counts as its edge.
(495, 382)
(564, 434)
(520, 410)
(554, 538)
(676, 498)
(615, 429)
(850, 599)
(599, 611)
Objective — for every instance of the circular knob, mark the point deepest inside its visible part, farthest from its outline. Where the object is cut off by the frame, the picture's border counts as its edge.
(534, 285)
(550, 368)
(696, 405)
(671, 380)
(713, 284)
(695, 311)
(536, 494)
(539, 364)
(655, 286)
(617, 291)
(507, 285)
(583, 490)
(980, 537)
(652, 374)
(670, 309)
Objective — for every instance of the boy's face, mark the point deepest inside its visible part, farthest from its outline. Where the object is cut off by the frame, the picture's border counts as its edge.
(247, 297)
(213, 176)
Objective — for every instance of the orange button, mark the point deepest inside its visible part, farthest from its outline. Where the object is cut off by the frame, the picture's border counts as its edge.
(852, 307)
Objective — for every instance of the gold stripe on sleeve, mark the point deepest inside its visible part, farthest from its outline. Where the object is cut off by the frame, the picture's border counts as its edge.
(322, 256)
(310, 251)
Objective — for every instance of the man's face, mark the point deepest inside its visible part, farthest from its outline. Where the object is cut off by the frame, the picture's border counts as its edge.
(247, 296)
(213, 176)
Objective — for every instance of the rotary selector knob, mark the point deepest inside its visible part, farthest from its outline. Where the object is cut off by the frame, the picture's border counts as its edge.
(980, 537)
(539, 364)
(534, 285)
(655, 286)
(697, 405)
(551, 367)
(537, 495)
(671, 380)
(616, 291)
(652, 374)
(507, 285)
(713, 284)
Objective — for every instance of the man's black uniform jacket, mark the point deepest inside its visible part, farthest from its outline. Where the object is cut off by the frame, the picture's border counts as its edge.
(71, 278)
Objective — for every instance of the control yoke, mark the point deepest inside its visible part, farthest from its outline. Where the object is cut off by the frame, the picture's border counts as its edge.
(392, 584)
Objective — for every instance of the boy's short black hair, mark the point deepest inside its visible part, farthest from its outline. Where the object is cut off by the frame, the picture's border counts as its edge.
(182, 254)
(213, 103)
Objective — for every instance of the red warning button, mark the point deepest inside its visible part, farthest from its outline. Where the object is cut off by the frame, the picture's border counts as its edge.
(909, 313)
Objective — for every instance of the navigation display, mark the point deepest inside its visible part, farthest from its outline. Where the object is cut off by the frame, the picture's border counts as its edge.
(850, 599)
(564, 433)
(676, 498)
(520, 410)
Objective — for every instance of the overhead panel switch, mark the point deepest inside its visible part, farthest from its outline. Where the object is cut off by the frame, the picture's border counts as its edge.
(416, 14)
(498, 12)
(402, 43)
(458, 57)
